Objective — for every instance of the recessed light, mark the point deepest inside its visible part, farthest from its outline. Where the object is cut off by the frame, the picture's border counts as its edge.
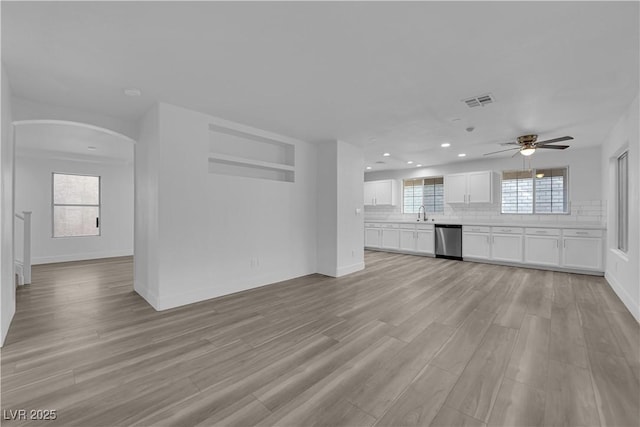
(368, 168)
(132, 91)
(418, 165)
(539, 175)
(91, 147)
(445, 145)
(461, 155)
(386, 154)
(410, 162)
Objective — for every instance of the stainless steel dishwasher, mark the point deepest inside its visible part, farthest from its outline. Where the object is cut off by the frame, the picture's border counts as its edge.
(449, 241)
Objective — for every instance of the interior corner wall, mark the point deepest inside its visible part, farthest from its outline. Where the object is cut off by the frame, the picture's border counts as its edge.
(7, 278)
(146, 239)
(327, 222)
(622, 270)
(206, 234)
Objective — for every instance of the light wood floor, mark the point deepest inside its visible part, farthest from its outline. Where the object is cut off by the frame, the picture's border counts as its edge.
(408, 341)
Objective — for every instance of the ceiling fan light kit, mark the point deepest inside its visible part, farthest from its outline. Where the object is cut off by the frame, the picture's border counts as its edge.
(528, 144)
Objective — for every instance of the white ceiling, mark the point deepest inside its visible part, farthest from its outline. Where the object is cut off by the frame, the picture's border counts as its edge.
(389, 76)
(72, 142)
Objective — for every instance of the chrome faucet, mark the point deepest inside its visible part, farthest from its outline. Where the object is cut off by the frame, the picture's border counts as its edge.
(424, 213)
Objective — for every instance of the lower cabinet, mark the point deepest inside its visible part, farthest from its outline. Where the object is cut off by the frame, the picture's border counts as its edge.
(542, 246)
(582, 249)
(572, 249)
(476, 242)
(390, 238)
(418, 240)
(410, 238)
(425, 243)
(372, 237)
(506, 247)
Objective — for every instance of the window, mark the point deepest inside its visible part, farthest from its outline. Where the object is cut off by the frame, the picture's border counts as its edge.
(76, 205)
(535, 191)
(423, 191)
(623, 201)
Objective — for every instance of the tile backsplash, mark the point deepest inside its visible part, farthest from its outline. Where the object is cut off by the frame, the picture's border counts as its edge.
(587, 211)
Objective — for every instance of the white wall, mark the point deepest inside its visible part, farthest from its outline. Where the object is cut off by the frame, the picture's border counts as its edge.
(216, 234)
(33, 193)
(585, 186)
(340, 227)
(7, 279)
(622, 270)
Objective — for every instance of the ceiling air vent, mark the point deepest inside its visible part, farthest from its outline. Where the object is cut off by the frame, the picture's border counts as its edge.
(479, 101)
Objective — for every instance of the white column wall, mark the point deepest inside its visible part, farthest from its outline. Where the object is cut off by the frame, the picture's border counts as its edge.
(7, 279)
(622, 270)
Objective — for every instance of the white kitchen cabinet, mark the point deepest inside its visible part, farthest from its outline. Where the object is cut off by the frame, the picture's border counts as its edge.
(455, 188)
(407, 240)
(370, 193)
(380, 193)
(582, 249)
(425, 243)
(542, 250)
(472, 187)
(506, 244)
(476, 242)
(390, 239)
(372, 237)
(480, 187)
(417, 239)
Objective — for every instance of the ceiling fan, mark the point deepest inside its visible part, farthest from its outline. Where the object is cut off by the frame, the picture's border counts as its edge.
(528, 144)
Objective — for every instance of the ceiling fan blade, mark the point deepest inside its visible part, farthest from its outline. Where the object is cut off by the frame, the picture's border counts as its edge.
(555, 147)
(509, 143)
(501, 151)
(549, 141)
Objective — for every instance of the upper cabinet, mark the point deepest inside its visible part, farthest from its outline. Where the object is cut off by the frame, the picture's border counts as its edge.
(378, 193)
(471, 187)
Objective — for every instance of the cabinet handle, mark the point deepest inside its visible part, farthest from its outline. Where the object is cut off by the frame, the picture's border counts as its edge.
(541, 232)
(493, 239)
(582, 232)
(469, 198)
(564, 243)
(556, 243)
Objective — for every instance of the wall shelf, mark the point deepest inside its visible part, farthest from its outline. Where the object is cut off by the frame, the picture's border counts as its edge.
(238, 153)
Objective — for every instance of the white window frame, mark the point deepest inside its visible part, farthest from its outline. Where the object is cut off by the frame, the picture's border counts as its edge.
(622, 202)
(567, 203)
(422, 203)
(54, 204)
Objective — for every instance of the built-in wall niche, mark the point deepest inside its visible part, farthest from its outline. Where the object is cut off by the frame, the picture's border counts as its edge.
(238, 153)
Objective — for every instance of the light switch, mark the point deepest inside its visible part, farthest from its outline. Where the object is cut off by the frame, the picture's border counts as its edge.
(358, 211)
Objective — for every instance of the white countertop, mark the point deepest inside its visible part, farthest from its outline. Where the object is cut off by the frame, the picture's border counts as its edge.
(573, 224)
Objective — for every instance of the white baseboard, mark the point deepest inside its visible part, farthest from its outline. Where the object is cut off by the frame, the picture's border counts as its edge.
(627, 300)
(165, 302)
(80, 257)
(6, 322)
(348, 269)
(146, 293)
